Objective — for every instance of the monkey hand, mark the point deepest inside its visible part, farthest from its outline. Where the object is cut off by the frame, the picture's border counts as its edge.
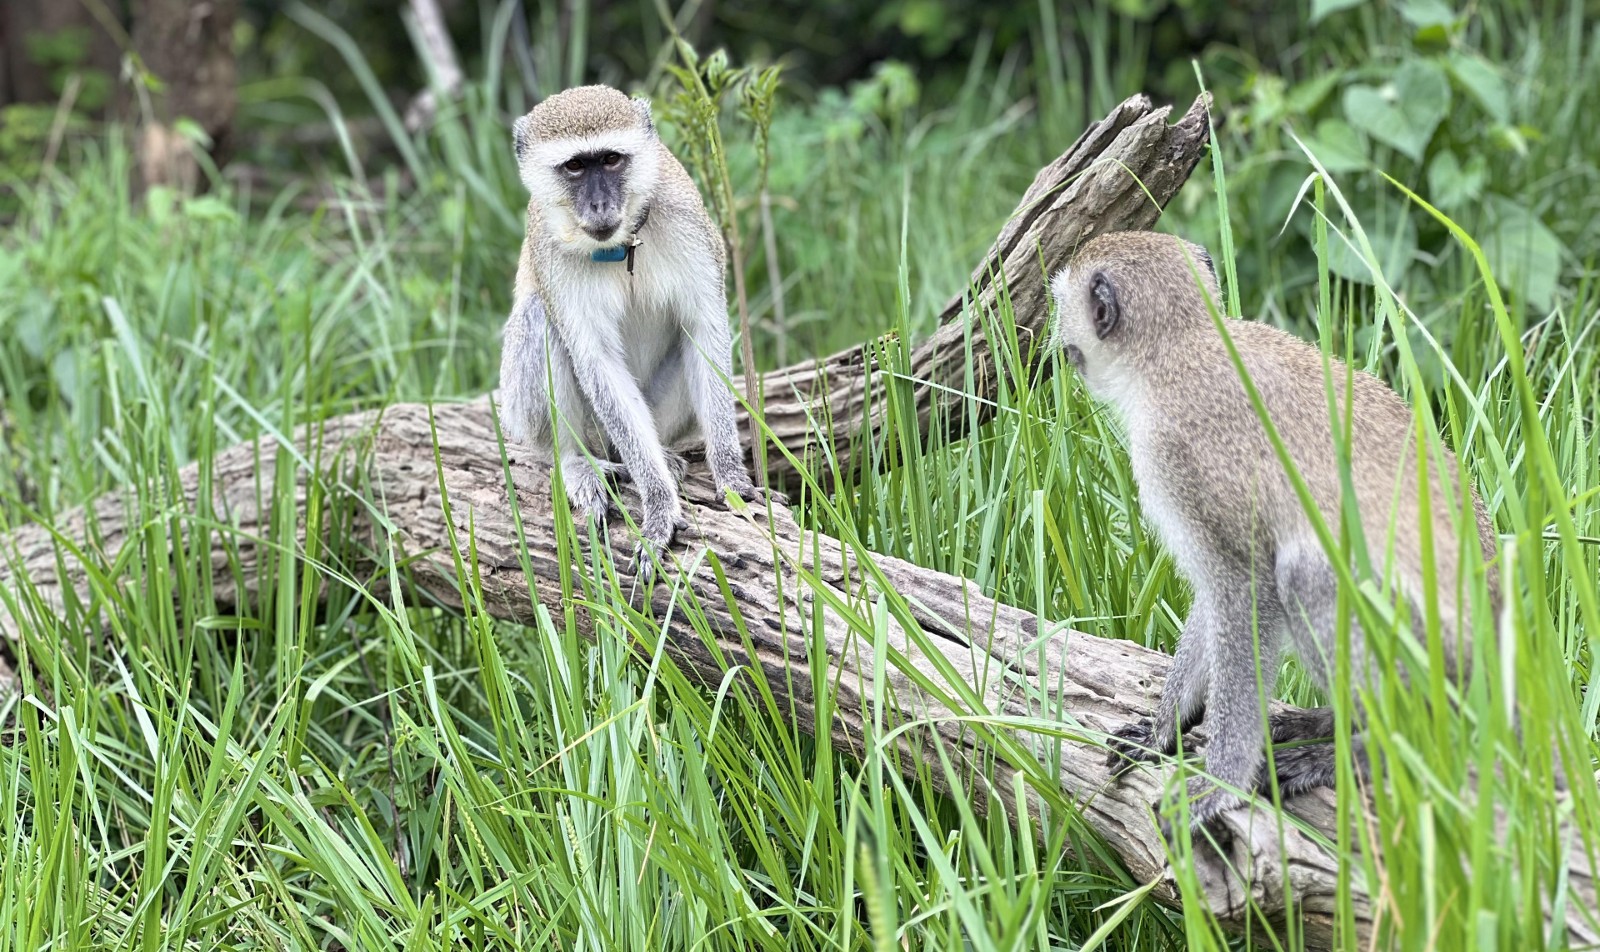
(1130, 745)
(656, 534)
(587, 494)
(751, 493)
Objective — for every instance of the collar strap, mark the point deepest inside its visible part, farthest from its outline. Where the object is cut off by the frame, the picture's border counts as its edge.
(624, 251)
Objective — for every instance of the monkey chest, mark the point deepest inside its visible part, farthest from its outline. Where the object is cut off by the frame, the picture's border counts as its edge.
(636, 312)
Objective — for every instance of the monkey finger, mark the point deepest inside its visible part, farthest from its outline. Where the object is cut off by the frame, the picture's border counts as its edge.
(1129, 745)
(643, 562)
(771, 495)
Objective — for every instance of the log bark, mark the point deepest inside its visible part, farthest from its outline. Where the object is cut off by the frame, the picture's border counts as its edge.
(426, 484)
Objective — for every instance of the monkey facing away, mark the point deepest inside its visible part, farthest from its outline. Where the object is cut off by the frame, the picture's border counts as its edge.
(613, 353)
(1134, 322)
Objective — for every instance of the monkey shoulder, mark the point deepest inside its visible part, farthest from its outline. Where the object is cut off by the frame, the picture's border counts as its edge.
(679, 203)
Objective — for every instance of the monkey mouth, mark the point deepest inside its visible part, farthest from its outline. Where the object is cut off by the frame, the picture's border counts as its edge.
(601, 233)
(1075, 357)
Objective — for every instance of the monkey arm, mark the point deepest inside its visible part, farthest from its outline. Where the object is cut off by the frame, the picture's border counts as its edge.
(523, 394)
(708, 363)
(620, 408)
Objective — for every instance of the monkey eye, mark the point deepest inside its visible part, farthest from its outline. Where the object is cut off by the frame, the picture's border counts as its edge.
(573, 165)
(612, 160)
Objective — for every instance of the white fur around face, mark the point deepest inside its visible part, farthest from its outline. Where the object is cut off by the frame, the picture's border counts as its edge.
(541, 174)
(1106, 375)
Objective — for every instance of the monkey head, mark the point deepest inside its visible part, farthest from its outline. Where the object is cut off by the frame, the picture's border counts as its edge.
(590, 157)
(1124, 295)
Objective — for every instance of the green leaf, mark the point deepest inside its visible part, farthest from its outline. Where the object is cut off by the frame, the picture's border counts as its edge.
(1403, 113)
(1452, 185)
(1337, 146)
(1474, 74)
(1305, 97)
(209, 208)
(1423, 14)
(1393, 234)
(1524, 254)
(1323, 8)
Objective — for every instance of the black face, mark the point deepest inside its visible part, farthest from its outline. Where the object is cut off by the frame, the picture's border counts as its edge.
(597, 182)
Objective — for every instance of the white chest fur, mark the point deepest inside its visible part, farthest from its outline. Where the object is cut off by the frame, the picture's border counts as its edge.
(637, 314)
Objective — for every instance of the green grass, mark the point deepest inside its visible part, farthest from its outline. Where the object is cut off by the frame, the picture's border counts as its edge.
(376, 775)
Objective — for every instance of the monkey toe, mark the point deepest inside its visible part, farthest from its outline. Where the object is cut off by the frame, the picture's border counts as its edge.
(589, 500)
(756, 495)
(1129, 745)
(1315, 724)
(643, 563)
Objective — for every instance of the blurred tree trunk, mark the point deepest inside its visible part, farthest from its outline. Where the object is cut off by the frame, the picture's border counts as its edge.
(43, 40)
(188, 48)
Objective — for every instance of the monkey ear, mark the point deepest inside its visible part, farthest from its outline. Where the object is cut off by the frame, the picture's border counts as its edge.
(1107, 312)
(521, 137)
(642, 106)
(1205, 259)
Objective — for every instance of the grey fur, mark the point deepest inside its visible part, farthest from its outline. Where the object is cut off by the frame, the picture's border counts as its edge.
(611, 366)
(1211, 485)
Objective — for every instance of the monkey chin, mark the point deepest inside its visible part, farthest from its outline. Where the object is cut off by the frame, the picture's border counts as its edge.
(577, 240)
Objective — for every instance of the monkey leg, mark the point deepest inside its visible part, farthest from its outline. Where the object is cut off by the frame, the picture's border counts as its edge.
(1244, 662)
(668, 399)
(1183, 698)
(1304, 755)
(1309, 591)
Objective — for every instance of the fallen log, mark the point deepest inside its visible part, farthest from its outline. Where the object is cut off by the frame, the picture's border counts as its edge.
(421, 484)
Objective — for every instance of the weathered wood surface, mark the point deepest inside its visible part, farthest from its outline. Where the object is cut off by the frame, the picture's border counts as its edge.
(991, 651)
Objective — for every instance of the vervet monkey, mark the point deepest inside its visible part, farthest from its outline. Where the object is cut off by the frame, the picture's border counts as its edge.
(1133, 318)
(617, 345)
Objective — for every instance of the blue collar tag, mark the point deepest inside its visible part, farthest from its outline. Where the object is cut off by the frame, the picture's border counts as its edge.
(616, 253)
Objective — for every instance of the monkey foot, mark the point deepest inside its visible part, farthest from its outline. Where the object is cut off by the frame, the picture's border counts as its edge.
(589, 500)
(1207, 804)
(657, 534)
(1131, 745)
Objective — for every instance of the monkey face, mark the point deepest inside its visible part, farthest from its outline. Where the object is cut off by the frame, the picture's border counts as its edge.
(1088, 315)
(596, 185)
(591, 160)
